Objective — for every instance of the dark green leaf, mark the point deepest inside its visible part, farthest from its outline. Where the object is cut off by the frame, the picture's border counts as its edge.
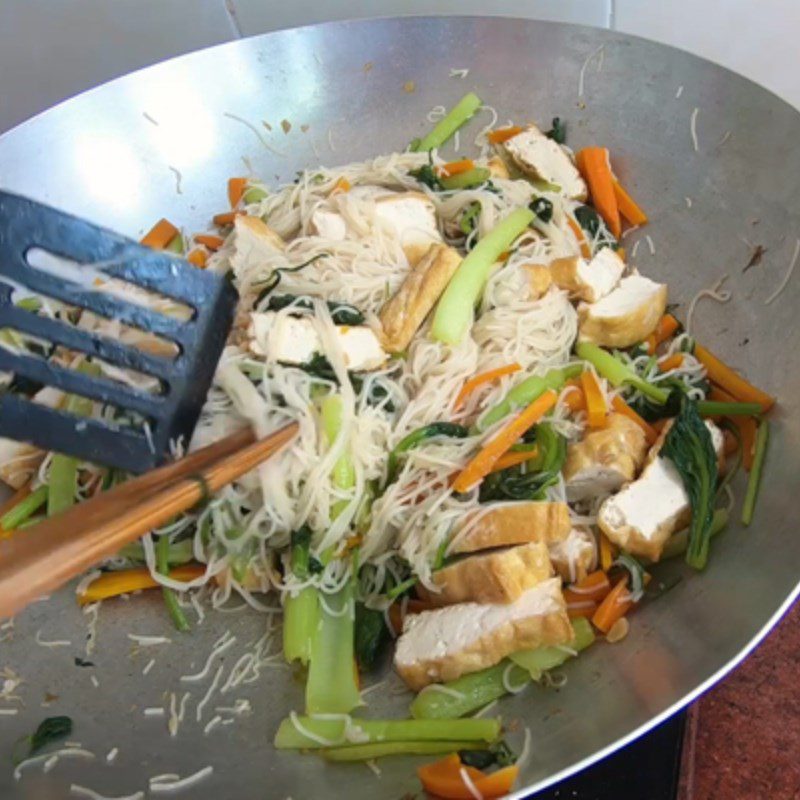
(341, 313)
(688, 445)
(426, 174)
(79, 662)
(558, 133)
(498, 754)
(271, 283)
(543, 208)
(590, 221)
(371, 635)
(50, 730)
(301, 552)
(416, 438)
(469, 218)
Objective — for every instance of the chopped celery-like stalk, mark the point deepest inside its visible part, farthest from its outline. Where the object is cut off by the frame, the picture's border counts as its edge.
(468, 693)
(467, 179)
(716, 408)
(300, 620)
(181, 552)
(24, 510)
(366, 752)
(754, 481)
(314, 733)
(176, 244)
(458, 116)
(343, 474)
(455, 310)
(541, 659)
(525, 392)
(170, 597)
(254, 194)
(677, 543)
(617, 373)
(332, 686)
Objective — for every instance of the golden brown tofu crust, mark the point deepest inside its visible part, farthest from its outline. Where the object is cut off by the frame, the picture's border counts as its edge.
(626, 329)
(539, 280)
(499, 576)
(516, 523)
(402, 316)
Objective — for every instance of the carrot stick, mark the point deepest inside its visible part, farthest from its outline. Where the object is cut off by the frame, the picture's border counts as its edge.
(606, 553)
(731, 382)
(627, 207)
(456, 167)
(113, 584)
(209, 240)
(595, 586)
(236, 187)
(444, 778)
(342, 185)
(226, 218)
(665, 329)
(621, 407)
(481, 464)
(197, 257)
(581, 608)
(616, 605)
(573, 396)
(596, 408)
(582, 243)
(160, 235)
(484, 377)
(503, 134)
(670, 362)
(596, 170)
(512, 458)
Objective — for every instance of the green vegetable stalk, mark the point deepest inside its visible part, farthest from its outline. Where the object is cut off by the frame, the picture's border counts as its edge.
(688, 445)
(754, 481)
(24, 510)
(416, 438)
(176, 245)
(678, 543)
(465, 180)
(617, 373)
(366, 752)
(717, 408)
(292, 732)
(541, 659)
(344, 473)
(524, 393)
(301, 611)
(458, 116)
(454, 312)
(170, 597)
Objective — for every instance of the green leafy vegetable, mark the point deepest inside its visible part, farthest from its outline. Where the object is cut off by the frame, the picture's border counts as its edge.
(50, 730)
(416, 438)
(498, 754)
(558, 133)
(591, 222)
(688, 445)
(466, 180)
(427, 175)
(371, 636)
(469, 218)
(617, 373)
(458, 116)
(341, 313)
(543, 208)
(170, 597)
(301, 610)
(541, 659)
(754, 481)
(269, 285)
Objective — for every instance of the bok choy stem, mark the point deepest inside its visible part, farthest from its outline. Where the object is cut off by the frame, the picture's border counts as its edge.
(445, 128)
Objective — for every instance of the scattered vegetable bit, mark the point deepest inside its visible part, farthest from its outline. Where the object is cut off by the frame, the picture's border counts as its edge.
(210, 241)
(456, 167)
(371, 635)
(50, 730)
(606, 553)
(341, 186)
(366, 752)
(616, 605)
(762, 440)
(125, 581)
(458, 116)
(236, 187)
(416, 438)
(503, 134)
(254, 194)
(484, 377)
(595, 399)
(730, 381)
(594, 165)
(226, 218)
(670, 362)
(466, 179)
(558, 133)
(170, 597)
(581, 239)
(574, 397)
(445, 778)
(198, 257)
(627, 207)
(666, 329)
(160, 235)
(595, 586)
(23, 505)
(617, 373)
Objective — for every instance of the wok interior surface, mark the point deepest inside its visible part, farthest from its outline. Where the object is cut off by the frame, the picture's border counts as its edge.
(119, 154)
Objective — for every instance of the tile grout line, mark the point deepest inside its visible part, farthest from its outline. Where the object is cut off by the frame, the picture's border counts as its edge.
(230, 13)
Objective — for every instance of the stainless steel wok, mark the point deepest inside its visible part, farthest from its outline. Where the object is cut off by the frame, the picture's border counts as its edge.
(163, 141)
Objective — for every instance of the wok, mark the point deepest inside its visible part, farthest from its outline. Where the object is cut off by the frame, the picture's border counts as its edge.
(163, 141)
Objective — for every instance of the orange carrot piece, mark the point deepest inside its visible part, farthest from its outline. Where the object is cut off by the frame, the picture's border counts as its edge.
(665, 329)
(670, 362)
(731, 382)
(574, 398)
(581, 608)
(594, 166)
(606, 553)
(342, 185)
(456, 167)
(596, 408)
(627, 207)
(595, 586)
(113, 584)
(236, 187)
(226, 218)
(197, 257)
(615, 606)
(160, 235)
(481, 464)
(444, 778)
(621, 407)
(484, 377)
(210, 241)
(582, 243)
(512, 458)
(503, 134)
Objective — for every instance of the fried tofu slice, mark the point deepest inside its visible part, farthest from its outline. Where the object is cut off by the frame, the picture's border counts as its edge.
(588, 280)
(411, 216)
(540, 280)
(443, 644)
(645, 513)
(575, 557)
(405, 312)
(515, 523)
(497, 168)
(542, 158)
(629, 314)
(496, 576)
(605, 459)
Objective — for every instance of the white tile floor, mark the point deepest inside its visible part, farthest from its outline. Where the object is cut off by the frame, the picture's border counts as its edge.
(52, 49)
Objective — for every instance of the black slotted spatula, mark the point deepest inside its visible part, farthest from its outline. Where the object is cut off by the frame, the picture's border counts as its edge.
(172, 412)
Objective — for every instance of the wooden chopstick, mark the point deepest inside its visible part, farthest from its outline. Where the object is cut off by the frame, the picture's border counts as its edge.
(45, 556)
